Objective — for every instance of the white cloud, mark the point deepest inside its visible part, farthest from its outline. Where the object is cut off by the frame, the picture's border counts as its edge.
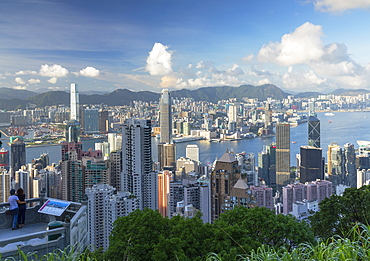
(25, 72)
(53, 80)
(19, 80)
(53, 71)
(340, 5)
(90, 72)
(33, 81)
(302, 46)
(303, 81)
(235, 70)
(159, 60)
(262, 82)
(168, 81)
(19, 87)
(248, 58)
(205, 74)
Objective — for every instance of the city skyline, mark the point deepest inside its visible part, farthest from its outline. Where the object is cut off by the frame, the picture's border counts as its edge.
(320, 45)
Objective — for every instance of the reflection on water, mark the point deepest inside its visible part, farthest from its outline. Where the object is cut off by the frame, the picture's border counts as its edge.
(344, 127)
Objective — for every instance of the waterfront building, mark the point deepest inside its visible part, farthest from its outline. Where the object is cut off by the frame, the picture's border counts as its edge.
(71, 146)
(314, 132)
(311, 167)
(192, 152)
(165, 117)
(72, 132)
(282, 154)
(167, 156)
(232, 113)
(103, 121)
(74, 103)
(137, 175)
(91, 121)
(18, 154)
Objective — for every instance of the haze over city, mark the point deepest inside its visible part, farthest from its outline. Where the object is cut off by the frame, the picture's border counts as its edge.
(148, 45)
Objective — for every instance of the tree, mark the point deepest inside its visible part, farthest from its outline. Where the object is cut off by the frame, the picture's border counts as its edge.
(261, 226)
(338, 214)
(133, 237)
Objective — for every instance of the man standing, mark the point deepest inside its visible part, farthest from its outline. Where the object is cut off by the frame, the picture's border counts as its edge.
(14, 210)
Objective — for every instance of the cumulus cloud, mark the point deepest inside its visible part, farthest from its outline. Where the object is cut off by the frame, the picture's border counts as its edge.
(53, 71)
(20, 87)
(90, 72)
(159, 60)
(19, 80)
(53, 80)
(303, 80)
(33, 81)
(205, 74)
(262, 82)
(25, 72)
(301, 46)
(248, 58)
(168, 81)
(340, 5)
(322, 65)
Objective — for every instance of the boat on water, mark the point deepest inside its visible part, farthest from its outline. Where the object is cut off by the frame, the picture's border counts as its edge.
(330, 121)
(329, 114)
(294, 142)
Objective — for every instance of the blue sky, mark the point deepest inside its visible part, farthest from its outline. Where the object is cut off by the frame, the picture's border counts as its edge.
(298, 45)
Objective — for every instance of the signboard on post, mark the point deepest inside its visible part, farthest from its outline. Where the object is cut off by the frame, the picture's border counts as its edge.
(54, 207)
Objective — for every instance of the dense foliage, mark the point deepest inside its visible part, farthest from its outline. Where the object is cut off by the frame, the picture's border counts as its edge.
(338, 214)
(146, 235)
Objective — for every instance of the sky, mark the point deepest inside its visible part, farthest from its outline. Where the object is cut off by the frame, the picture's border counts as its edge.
(297, 45)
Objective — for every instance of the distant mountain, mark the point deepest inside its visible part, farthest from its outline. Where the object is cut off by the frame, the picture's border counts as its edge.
(304, 95)
(10, 93)
(125, 97)
(349, 92)
(214, 94)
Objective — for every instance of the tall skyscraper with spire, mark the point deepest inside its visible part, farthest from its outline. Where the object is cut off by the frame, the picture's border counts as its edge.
(166, 148)
(75, 103)
(165, 117)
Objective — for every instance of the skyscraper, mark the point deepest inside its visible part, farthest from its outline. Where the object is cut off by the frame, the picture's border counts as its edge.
(335, 164)
(350, 164)
(75, 102)
(91, 120)
(311, 167)
(282, 154)
(165, 117)
(137, 175)
(18, 154)
(192, 152)
(314, 132)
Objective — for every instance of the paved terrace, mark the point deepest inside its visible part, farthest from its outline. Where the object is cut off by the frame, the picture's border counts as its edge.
(35, 236)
